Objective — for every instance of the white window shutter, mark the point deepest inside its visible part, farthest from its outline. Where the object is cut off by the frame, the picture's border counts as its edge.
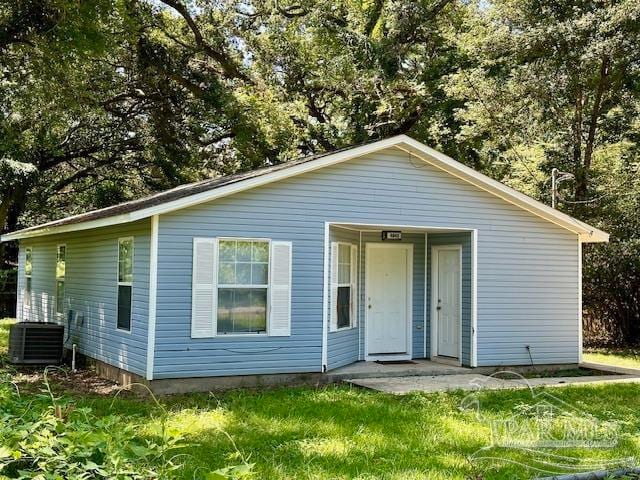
(333, 313)
(354, 285)
(280, 289)
(204, 296)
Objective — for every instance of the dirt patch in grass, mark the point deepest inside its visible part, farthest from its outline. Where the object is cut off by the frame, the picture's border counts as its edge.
(570, 372)
(31, 379)
(553, 373)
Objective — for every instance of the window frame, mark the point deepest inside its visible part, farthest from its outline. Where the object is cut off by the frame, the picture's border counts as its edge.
(240, 286)
(28, 277)
(61, 279)
(125, 284)
(353, 286)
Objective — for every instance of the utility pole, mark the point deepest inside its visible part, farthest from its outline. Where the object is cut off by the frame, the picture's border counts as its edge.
(556, 178)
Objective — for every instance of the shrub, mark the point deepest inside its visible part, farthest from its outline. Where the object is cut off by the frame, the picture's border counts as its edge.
(48, 437)
(612, 294)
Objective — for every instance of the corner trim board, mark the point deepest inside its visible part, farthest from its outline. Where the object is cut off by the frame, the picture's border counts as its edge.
(580, 333)
(153, 289)
(325, 300)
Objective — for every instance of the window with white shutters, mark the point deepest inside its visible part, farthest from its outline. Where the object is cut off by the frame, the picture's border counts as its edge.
(241, 286)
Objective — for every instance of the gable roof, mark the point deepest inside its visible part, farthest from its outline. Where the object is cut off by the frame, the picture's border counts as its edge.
(207, 190)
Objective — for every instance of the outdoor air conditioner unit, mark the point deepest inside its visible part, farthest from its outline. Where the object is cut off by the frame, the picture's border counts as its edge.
(36, 343)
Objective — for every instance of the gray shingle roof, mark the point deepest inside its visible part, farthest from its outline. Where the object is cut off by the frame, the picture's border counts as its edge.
(181, 191)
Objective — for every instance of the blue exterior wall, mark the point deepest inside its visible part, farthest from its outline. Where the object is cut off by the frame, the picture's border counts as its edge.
(527, 267)
(91, 289)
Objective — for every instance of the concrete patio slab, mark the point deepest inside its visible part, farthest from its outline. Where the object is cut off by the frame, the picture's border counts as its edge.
(603, 367)
(565, 381)
(469, 381)
(436, 383)
(377, 370)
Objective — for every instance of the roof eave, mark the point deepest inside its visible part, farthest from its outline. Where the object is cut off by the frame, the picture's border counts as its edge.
(586, 233)
(71, 227)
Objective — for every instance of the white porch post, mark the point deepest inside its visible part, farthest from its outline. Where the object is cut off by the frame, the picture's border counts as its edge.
(474, 298)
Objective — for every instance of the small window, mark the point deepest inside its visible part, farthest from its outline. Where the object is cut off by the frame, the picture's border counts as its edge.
(61, 265)
(243, 278)
(344, 285)
(125, 282)
(28, 269)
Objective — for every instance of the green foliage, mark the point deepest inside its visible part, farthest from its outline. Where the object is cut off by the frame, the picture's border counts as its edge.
(612, 293)
(5, 323)
(48, 437)
(45, 436)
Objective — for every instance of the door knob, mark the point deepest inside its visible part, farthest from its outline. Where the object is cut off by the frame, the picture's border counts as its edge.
(369, 307)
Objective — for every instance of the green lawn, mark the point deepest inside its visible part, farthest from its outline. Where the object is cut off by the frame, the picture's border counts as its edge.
(341, 432)
(619, 357)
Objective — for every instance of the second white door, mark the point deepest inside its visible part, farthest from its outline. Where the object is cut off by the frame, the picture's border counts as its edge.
(448, 302)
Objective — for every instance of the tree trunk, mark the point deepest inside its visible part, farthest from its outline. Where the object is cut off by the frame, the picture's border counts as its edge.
(11, 205)
(582, 177)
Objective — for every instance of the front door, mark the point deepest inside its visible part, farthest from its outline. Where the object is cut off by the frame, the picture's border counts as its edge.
(448, 302)
(388, 298)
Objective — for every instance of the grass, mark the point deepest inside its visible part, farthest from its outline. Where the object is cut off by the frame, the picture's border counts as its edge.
(618, 357)
(340, 432)
(4, 335)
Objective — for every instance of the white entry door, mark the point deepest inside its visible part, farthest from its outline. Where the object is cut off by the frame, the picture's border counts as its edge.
(388, 298)
(447, 301)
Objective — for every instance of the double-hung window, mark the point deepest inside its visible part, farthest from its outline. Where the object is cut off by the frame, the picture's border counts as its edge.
(344, 286)
(125, 282)
(243, 286)
(344, 291)
(61, 265)
(28, 270)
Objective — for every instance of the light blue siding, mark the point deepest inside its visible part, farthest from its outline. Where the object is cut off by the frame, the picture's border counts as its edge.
(91, 289)
(178, 355)
(527, 267)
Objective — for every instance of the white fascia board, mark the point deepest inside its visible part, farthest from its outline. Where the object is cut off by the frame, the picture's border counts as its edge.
(588, 234)
(73, 227)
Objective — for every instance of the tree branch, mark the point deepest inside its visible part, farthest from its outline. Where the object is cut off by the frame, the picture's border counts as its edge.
(229, 67)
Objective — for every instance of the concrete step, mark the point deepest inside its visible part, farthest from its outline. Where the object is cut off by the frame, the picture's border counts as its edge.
(376, 370)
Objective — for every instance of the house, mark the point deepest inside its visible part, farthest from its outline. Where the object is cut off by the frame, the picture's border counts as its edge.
(384, 251)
